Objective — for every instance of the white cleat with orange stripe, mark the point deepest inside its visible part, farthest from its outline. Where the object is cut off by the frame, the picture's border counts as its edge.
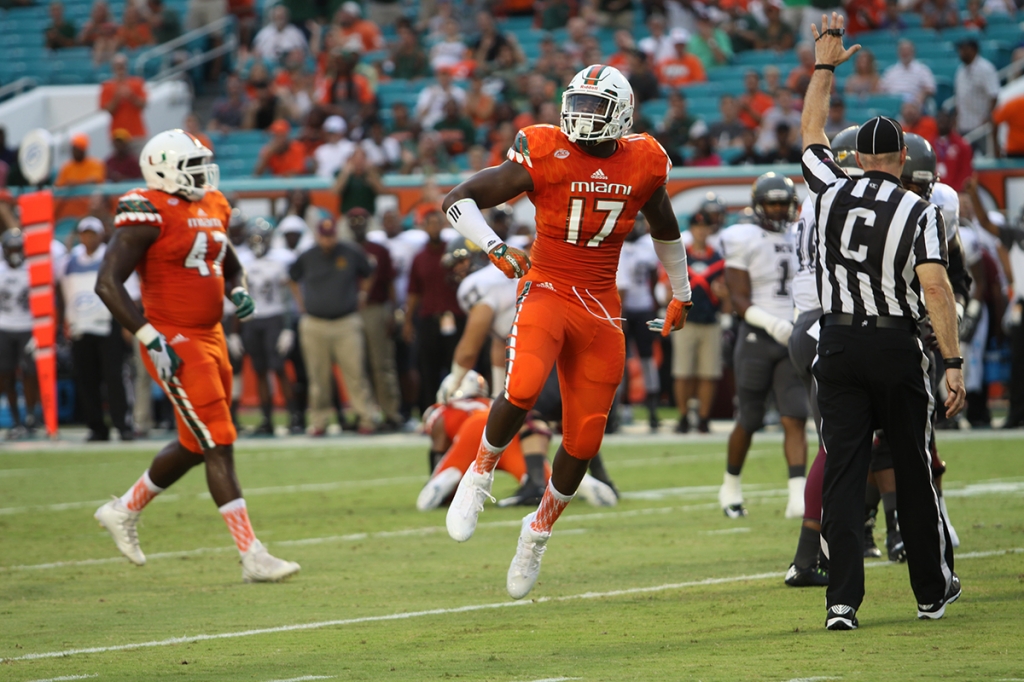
(259, 566)
(120, 523)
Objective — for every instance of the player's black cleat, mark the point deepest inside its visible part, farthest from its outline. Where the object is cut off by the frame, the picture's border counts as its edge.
(871, 550)
(528, 495)
(841, 617)
(815, 576)
(936, 611)
(683, 425)
(894, 543)
(735, 511)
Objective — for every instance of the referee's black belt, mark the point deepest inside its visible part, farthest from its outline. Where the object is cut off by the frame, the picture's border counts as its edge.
(867, 321)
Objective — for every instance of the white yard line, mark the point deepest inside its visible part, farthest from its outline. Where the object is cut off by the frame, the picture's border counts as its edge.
(557, 679)
(68, 677)
(725, 531)
(440, 612)
(305, 678)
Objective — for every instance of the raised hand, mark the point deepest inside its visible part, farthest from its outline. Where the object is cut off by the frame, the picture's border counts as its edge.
(828, 43)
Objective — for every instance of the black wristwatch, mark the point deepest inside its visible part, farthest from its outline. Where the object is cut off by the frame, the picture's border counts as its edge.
(953, 363)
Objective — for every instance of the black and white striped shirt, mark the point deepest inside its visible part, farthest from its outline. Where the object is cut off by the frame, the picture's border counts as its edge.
(871, 234)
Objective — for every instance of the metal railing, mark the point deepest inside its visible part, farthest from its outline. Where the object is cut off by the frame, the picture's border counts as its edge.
(166, 51)
(17, 87)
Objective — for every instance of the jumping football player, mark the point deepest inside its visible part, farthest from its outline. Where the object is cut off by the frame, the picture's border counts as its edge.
(587, 180)
(173, 234)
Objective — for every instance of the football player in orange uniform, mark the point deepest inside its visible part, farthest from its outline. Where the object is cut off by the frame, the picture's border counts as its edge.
(173, 234)
(587, 179)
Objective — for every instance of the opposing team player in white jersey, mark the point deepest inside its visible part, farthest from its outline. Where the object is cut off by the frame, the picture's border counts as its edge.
(759, 267)
(266, 337)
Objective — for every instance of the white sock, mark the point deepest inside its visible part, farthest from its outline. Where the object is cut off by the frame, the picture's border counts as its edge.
(731, 492)
(796, 487)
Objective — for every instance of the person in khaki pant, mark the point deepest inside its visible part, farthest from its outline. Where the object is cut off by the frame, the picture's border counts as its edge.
(378, 320)
(330, 283)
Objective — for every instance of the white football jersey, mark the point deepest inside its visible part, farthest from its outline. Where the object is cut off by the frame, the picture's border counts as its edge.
(489, 286)
(268, 283)
(638, 266)
(804, 284)
(948, 202)
(15, 315)
(769, 258)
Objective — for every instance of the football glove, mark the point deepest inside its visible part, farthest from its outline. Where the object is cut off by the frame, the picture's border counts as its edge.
(448, 386)
(969, 323)
(285, 341)
(675, 317)
(235, 347)
(245, 307)
(511, 261)
(163, 357)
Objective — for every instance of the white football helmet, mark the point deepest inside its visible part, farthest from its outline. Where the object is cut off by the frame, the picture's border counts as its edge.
(597, 105)
(177, 163)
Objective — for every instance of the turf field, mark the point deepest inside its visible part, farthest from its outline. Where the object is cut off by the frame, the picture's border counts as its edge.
(662, 587)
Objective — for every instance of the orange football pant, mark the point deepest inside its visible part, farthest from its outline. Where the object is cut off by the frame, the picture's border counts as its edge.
(462, 453)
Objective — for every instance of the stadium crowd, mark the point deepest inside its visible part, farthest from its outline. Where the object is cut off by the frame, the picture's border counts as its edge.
(311, 79)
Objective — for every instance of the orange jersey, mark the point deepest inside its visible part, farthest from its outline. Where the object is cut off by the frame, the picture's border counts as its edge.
(585, 205)
(181, 274)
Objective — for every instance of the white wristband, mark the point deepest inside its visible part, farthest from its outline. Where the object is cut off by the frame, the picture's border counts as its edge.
(147, 334)
(465, 216)
(673, 256)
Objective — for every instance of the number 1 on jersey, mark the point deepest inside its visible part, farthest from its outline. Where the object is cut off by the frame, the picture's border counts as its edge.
(196, 257)
(577, 207)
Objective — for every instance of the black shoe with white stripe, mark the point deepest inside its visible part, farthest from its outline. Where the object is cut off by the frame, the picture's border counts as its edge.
(936, 611)
(841, 617)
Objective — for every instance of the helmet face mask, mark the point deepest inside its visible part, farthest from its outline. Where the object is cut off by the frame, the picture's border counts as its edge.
(259, 237)
(773, 198)
(177, 163)
(14, 247)
(597, 106)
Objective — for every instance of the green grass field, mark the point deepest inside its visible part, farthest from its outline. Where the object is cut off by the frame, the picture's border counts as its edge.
(662, 587)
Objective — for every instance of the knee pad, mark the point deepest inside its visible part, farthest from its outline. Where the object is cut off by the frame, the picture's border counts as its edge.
(584, 441)
(751, 417)
(525, 379)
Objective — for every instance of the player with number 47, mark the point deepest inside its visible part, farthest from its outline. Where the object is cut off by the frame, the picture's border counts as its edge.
(174, 234)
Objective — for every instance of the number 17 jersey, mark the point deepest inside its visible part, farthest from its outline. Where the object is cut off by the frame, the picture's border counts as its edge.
(181, 274)
(586, 205)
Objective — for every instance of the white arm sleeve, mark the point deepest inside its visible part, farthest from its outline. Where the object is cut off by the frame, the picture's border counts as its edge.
(673, 256)
(465, 216)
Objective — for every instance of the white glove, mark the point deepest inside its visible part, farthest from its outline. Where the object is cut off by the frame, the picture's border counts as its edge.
(30, 348)
(285, 341)
(161, 354)
(235, 347)
(448, 386)
(777, 328)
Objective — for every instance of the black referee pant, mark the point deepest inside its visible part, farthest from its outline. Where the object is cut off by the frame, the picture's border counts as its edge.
(99, 361)
(872, 378)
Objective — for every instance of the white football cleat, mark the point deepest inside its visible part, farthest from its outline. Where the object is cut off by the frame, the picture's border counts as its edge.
(730, 497)
(596, 493)
(438, 488)
(525, 567)
(795, 506)
(259, 566)
(467, 504)
(120, 523)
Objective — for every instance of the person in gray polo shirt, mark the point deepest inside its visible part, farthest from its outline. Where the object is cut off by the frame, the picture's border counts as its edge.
(330, 283)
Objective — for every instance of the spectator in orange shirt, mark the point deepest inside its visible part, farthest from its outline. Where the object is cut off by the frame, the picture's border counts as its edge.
(342, 90)
(81, 169)
(620, 59)
(135, 31)
(753, 102)
(914, 121)
(1011, 112)
(283, 156)
(124, 97)
(684, 67)
(354, 32)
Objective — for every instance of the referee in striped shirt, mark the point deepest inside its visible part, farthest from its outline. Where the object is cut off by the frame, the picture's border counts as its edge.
(881, 260)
